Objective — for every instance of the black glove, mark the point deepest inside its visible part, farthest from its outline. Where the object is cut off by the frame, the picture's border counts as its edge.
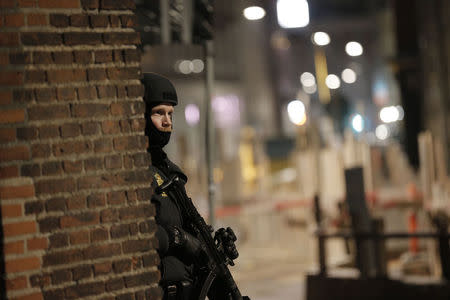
(225, 239)
(180, 239)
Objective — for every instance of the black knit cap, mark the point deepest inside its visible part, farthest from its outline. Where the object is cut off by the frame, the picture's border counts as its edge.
(158, 89)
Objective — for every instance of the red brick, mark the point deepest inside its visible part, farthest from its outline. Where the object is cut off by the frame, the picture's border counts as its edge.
(70, 130)
(34, 296)
(103, 56)
(40, 150)
(103, 145)
(61, 276)
(99, 251)
(14, 20)
(62, 257)
(52, 186)
(7, 4)
(58, 240)
(89, 165)
(4, 58)
(129, 20)
(106, 91)
(127, 143)
(99, 234)
(90, 128)
(131, 246)
(40, 38)
(51, 168)
(48, 112)
(96, 74)
(115, 284)
(59, 4)
(90, 110)
(22, 264)
(66, 93)
(59, 20)
(27, 3)
(5, 97)
(20, 58)
(63, 57)
(117, 4)
(12, 116)
(30, 170)
(83, 57)
(132, 55)
(96, 200)
(9, 38)
(14, 153)
(76, 203)
(14, 247)
(45, 94)
(17, 283)
(99, 20)
(114, 21)
(11, 211)
(82, 38)
(79, 20)
(50, 131)
(124, 73)
(72, 166)
(81, 291)
(55, 204)
(68, 148)
(7, 135)
(87, 92)
(11, 78)
(110, 127)
(37, 19)
(42, 57)
(102, 268)
(87, 218)
(116, 198)
(15, 229)
(27, 133)
(70, 75)
(34, 76)
(113, 162)
(14, 192)
(80, 272)
(79, 237)
(37, 244)
(122, 38)
(89, 4)
(9, 172)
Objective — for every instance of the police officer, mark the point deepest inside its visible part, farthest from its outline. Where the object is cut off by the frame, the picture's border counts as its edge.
(179, 250)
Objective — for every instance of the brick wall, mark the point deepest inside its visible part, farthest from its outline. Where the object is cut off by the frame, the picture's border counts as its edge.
(74, 190)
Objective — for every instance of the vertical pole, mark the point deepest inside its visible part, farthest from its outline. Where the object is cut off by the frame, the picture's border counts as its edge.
(321, 239)
(209, 128)
(165, 22)
(186, 33)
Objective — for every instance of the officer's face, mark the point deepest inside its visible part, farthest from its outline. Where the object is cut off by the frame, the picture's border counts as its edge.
(161, 116)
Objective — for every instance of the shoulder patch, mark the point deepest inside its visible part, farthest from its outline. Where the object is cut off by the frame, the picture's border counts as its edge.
(160, 181)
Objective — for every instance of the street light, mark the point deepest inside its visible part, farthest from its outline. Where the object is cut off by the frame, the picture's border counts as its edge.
(292, 13)
(321, 38)
(348, 76)
(296, 112)
(354, 48)
(253, 13)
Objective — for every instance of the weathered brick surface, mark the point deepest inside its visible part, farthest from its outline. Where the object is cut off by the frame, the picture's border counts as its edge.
(76, 217)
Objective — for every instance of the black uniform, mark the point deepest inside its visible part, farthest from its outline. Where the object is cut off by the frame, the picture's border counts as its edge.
(176, 266)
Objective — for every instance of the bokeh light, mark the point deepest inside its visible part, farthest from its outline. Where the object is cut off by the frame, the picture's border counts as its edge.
(354, 48)
(348, 76)
(192, 114)
(357, 123)
(321, 38)
(307, 79)
(389, 114)
(332, 81)
(254, 13)
(292, 13)
(382, 132)
(296, 112)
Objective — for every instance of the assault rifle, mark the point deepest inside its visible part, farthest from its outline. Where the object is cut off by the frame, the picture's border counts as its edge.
(215, 269)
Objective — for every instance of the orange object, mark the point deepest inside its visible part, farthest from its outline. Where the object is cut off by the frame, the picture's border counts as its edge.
(412, 227)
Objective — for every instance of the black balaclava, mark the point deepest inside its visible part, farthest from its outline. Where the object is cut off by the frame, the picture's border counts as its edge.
(158, 90)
